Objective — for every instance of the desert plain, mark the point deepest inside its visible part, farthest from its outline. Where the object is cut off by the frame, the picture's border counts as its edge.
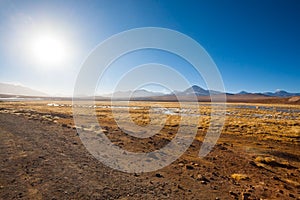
(256, 157)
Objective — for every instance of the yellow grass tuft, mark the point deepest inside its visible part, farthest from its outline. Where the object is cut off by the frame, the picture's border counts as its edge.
(239, 177)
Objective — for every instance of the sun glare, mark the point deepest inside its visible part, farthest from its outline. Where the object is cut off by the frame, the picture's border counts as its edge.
(48, 50)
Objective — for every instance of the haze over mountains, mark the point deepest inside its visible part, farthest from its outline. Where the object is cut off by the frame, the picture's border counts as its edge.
(15, 90)
(18, 90)
(197, 91)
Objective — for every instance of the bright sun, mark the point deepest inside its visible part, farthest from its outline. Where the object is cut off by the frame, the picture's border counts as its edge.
(48, 50)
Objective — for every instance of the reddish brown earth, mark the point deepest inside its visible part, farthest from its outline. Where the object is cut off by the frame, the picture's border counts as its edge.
(42, 157)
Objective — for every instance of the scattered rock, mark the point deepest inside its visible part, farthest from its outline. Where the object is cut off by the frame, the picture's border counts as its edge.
(159, 175)
(203, 182)
(104, 131)
(202, 178)
(216, 174)
(189, 167)
(223, 148)
(233, 194)
(180, 187)
(245, 195)
(56, 118)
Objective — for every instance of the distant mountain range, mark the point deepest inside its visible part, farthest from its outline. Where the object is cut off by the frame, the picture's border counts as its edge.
(15, 90)
(12, 89)
(281, 93)
(277, 93)
(197, 91)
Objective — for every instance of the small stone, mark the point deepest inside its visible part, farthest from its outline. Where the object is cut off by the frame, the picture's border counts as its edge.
(223, 148)
(159, 175)
(245, 196)
(104, 131)
(233, 193)
(180, 187)
(292, 196)
(189, 167)
(202, 178)
(249, 190)
(203, 182)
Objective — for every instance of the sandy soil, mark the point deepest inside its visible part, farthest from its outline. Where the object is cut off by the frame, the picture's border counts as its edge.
(42, 157)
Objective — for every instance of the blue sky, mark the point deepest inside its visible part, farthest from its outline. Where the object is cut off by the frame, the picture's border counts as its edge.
(255, 44)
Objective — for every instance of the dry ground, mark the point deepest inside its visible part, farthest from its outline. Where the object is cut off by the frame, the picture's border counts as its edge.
(42, 157)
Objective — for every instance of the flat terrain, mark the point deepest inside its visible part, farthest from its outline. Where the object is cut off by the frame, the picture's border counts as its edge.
(256, 157)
